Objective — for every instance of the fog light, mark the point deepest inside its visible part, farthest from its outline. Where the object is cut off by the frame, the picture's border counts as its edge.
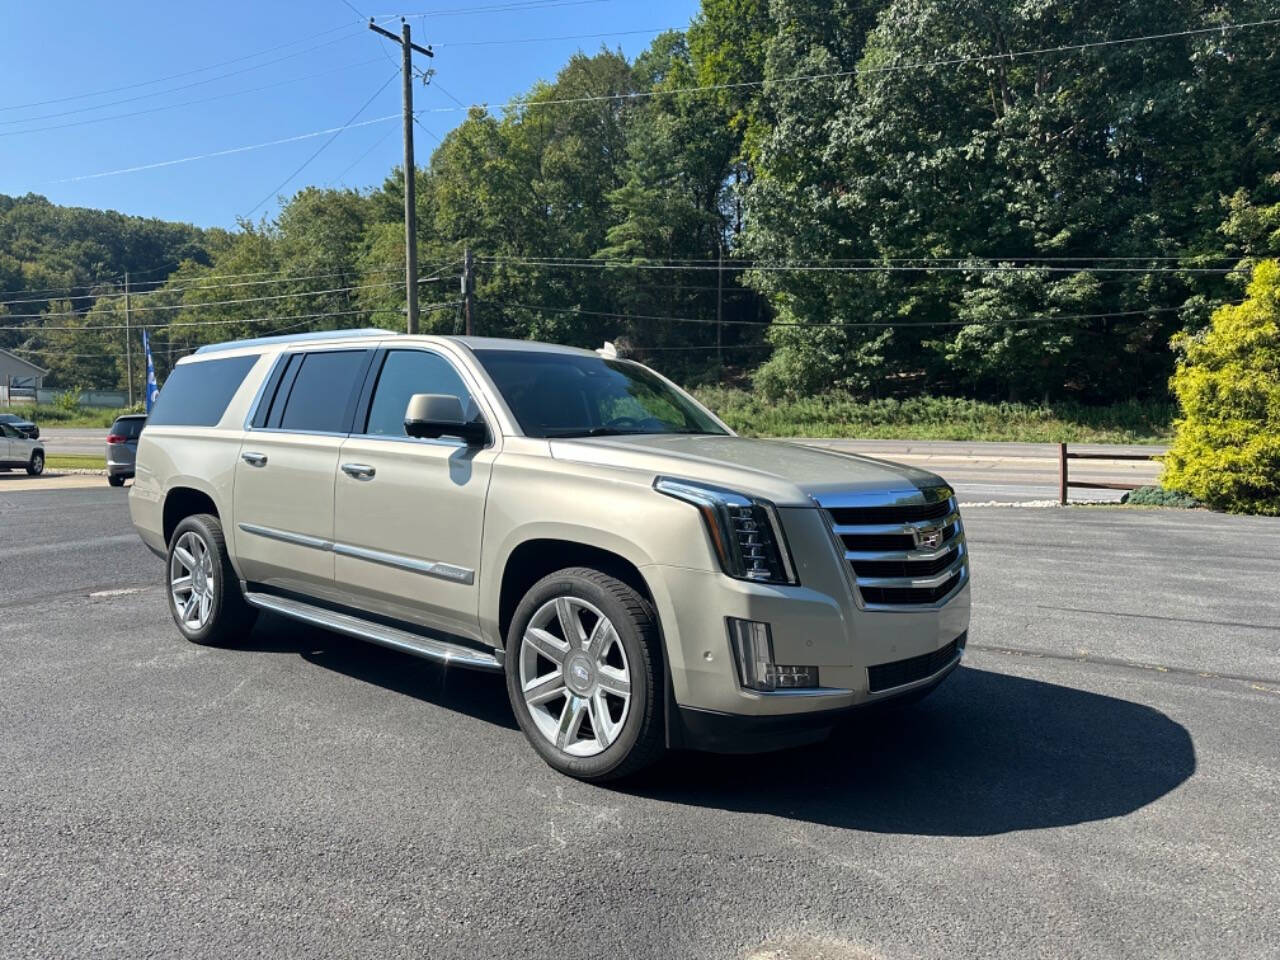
(752, 645)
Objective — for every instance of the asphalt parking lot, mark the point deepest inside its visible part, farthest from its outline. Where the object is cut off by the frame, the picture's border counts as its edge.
(1101, 779)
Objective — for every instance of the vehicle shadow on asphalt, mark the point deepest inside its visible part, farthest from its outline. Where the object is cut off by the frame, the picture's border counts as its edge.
(987, 753)
(471, 692)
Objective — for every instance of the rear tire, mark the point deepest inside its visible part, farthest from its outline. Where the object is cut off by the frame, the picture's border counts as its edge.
(584, 675)
(203, 589)
(36, 466)
(115, 479)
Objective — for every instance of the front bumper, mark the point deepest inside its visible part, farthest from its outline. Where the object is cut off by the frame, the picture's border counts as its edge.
(864, 654)
(713, 731)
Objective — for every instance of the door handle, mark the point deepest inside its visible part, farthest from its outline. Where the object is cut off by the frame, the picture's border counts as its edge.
(254, 459)
(361, 471)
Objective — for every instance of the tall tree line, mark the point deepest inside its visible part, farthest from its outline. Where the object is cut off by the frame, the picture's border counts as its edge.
(960, 196)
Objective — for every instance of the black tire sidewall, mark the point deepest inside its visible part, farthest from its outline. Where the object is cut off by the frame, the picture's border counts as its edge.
(36, 466)
(224, 626)
(646, 673)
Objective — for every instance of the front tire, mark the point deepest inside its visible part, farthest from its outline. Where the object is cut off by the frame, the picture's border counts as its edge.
(584, 675)
(203, 589)
(36, 466)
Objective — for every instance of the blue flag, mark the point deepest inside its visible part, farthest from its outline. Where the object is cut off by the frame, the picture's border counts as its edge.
(153, 391)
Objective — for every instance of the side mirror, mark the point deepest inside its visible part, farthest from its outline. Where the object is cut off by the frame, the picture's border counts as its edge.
(434, 415)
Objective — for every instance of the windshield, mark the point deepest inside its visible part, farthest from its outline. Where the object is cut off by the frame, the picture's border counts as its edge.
(572, 395)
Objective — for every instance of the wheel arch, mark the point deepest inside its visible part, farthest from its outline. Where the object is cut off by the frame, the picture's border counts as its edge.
(183, 500)
(532, 559)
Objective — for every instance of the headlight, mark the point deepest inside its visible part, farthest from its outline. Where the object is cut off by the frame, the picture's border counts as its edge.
(744, 530)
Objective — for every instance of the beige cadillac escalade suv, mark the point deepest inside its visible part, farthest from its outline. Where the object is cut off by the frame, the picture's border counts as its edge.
(644, 578)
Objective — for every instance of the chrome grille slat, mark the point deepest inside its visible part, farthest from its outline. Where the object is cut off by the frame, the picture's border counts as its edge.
(892, 529)
(915, 582)
(888, 566)
(907, 555)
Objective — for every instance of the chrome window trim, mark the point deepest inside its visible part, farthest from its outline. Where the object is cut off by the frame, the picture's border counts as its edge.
(450, 572)
(474, 394)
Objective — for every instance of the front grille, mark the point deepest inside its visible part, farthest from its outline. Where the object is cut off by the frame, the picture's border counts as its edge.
(886, 676)
(902, 554)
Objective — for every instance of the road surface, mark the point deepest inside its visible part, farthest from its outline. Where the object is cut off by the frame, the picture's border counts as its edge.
(1099, 780)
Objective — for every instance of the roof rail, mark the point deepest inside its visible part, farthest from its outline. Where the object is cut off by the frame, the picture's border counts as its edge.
(296, 338)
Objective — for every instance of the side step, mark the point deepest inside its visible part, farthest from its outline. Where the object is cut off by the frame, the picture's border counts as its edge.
(442, 651)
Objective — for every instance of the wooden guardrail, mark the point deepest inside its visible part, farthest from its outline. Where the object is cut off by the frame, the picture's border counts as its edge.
(1064, 481)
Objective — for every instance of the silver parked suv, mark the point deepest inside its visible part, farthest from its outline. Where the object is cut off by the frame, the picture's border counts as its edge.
(644, 578)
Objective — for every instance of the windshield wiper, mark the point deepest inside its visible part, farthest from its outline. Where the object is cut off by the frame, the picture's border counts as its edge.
(599, 432)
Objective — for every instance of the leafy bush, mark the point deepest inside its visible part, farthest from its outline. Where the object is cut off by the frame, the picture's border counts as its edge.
(1159, 497)
(68, 401)
(1226, 449)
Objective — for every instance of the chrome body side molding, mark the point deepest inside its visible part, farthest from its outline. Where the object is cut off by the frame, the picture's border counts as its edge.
(428, 568)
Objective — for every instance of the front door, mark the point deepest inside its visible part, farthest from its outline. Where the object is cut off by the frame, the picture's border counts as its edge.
(283, 499)
(408, 514)
(8, 446)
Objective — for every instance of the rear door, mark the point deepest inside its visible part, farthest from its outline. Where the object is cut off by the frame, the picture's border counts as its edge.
(284, 479)
(409, 513)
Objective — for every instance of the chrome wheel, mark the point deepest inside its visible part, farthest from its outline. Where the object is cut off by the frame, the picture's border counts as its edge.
(191, 580)
(574, 676)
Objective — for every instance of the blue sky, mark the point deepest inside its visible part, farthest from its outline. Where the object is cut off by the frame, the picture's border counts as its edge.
(326, 65)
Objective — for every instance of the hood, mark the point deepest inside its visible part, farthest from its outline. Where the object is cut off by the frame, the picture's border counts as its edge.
(787, 473)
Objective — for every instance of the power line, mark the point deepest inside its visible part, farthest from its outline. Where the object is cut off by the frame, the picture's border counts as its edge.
(572, 36)
(178, 76)
(207, 323)
(185, 86)
(198, 282)
(356, 162)
(820, 325)
(227, 152)
(319, 150)
(825, 267)
(525, 5)
(186, 103)
(201, 304)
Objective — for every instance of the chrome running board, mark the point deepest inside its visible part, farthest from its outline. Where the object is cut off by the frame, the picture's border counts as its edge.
(441, 651)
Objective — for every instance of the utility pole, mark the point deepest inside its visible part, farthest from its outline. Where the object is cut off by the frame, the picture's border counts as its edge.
(719, 309)
(128, 339)
(407, 47)
(468, 286)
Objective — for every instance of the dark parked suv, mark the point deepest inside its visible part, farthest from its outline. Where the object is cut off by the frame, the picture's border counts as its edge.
(24, 427)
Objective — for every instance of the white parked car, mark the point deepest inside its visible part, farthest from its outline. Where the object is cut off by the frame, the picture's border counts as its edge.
(17, 451)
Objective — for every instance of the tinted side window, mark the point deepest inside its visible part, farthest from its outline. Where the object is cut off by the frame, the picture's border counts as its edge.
(322, 391)
(405, 373)
(197, 394)
(8, 431)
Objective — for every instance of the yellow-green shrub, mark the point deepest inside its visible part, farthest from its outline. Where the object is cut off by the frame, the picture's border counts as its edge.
(1226, 448)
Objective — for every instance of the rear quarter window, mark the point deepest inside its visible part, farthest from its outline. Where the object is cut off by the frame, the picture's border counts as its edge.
(197, 394)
